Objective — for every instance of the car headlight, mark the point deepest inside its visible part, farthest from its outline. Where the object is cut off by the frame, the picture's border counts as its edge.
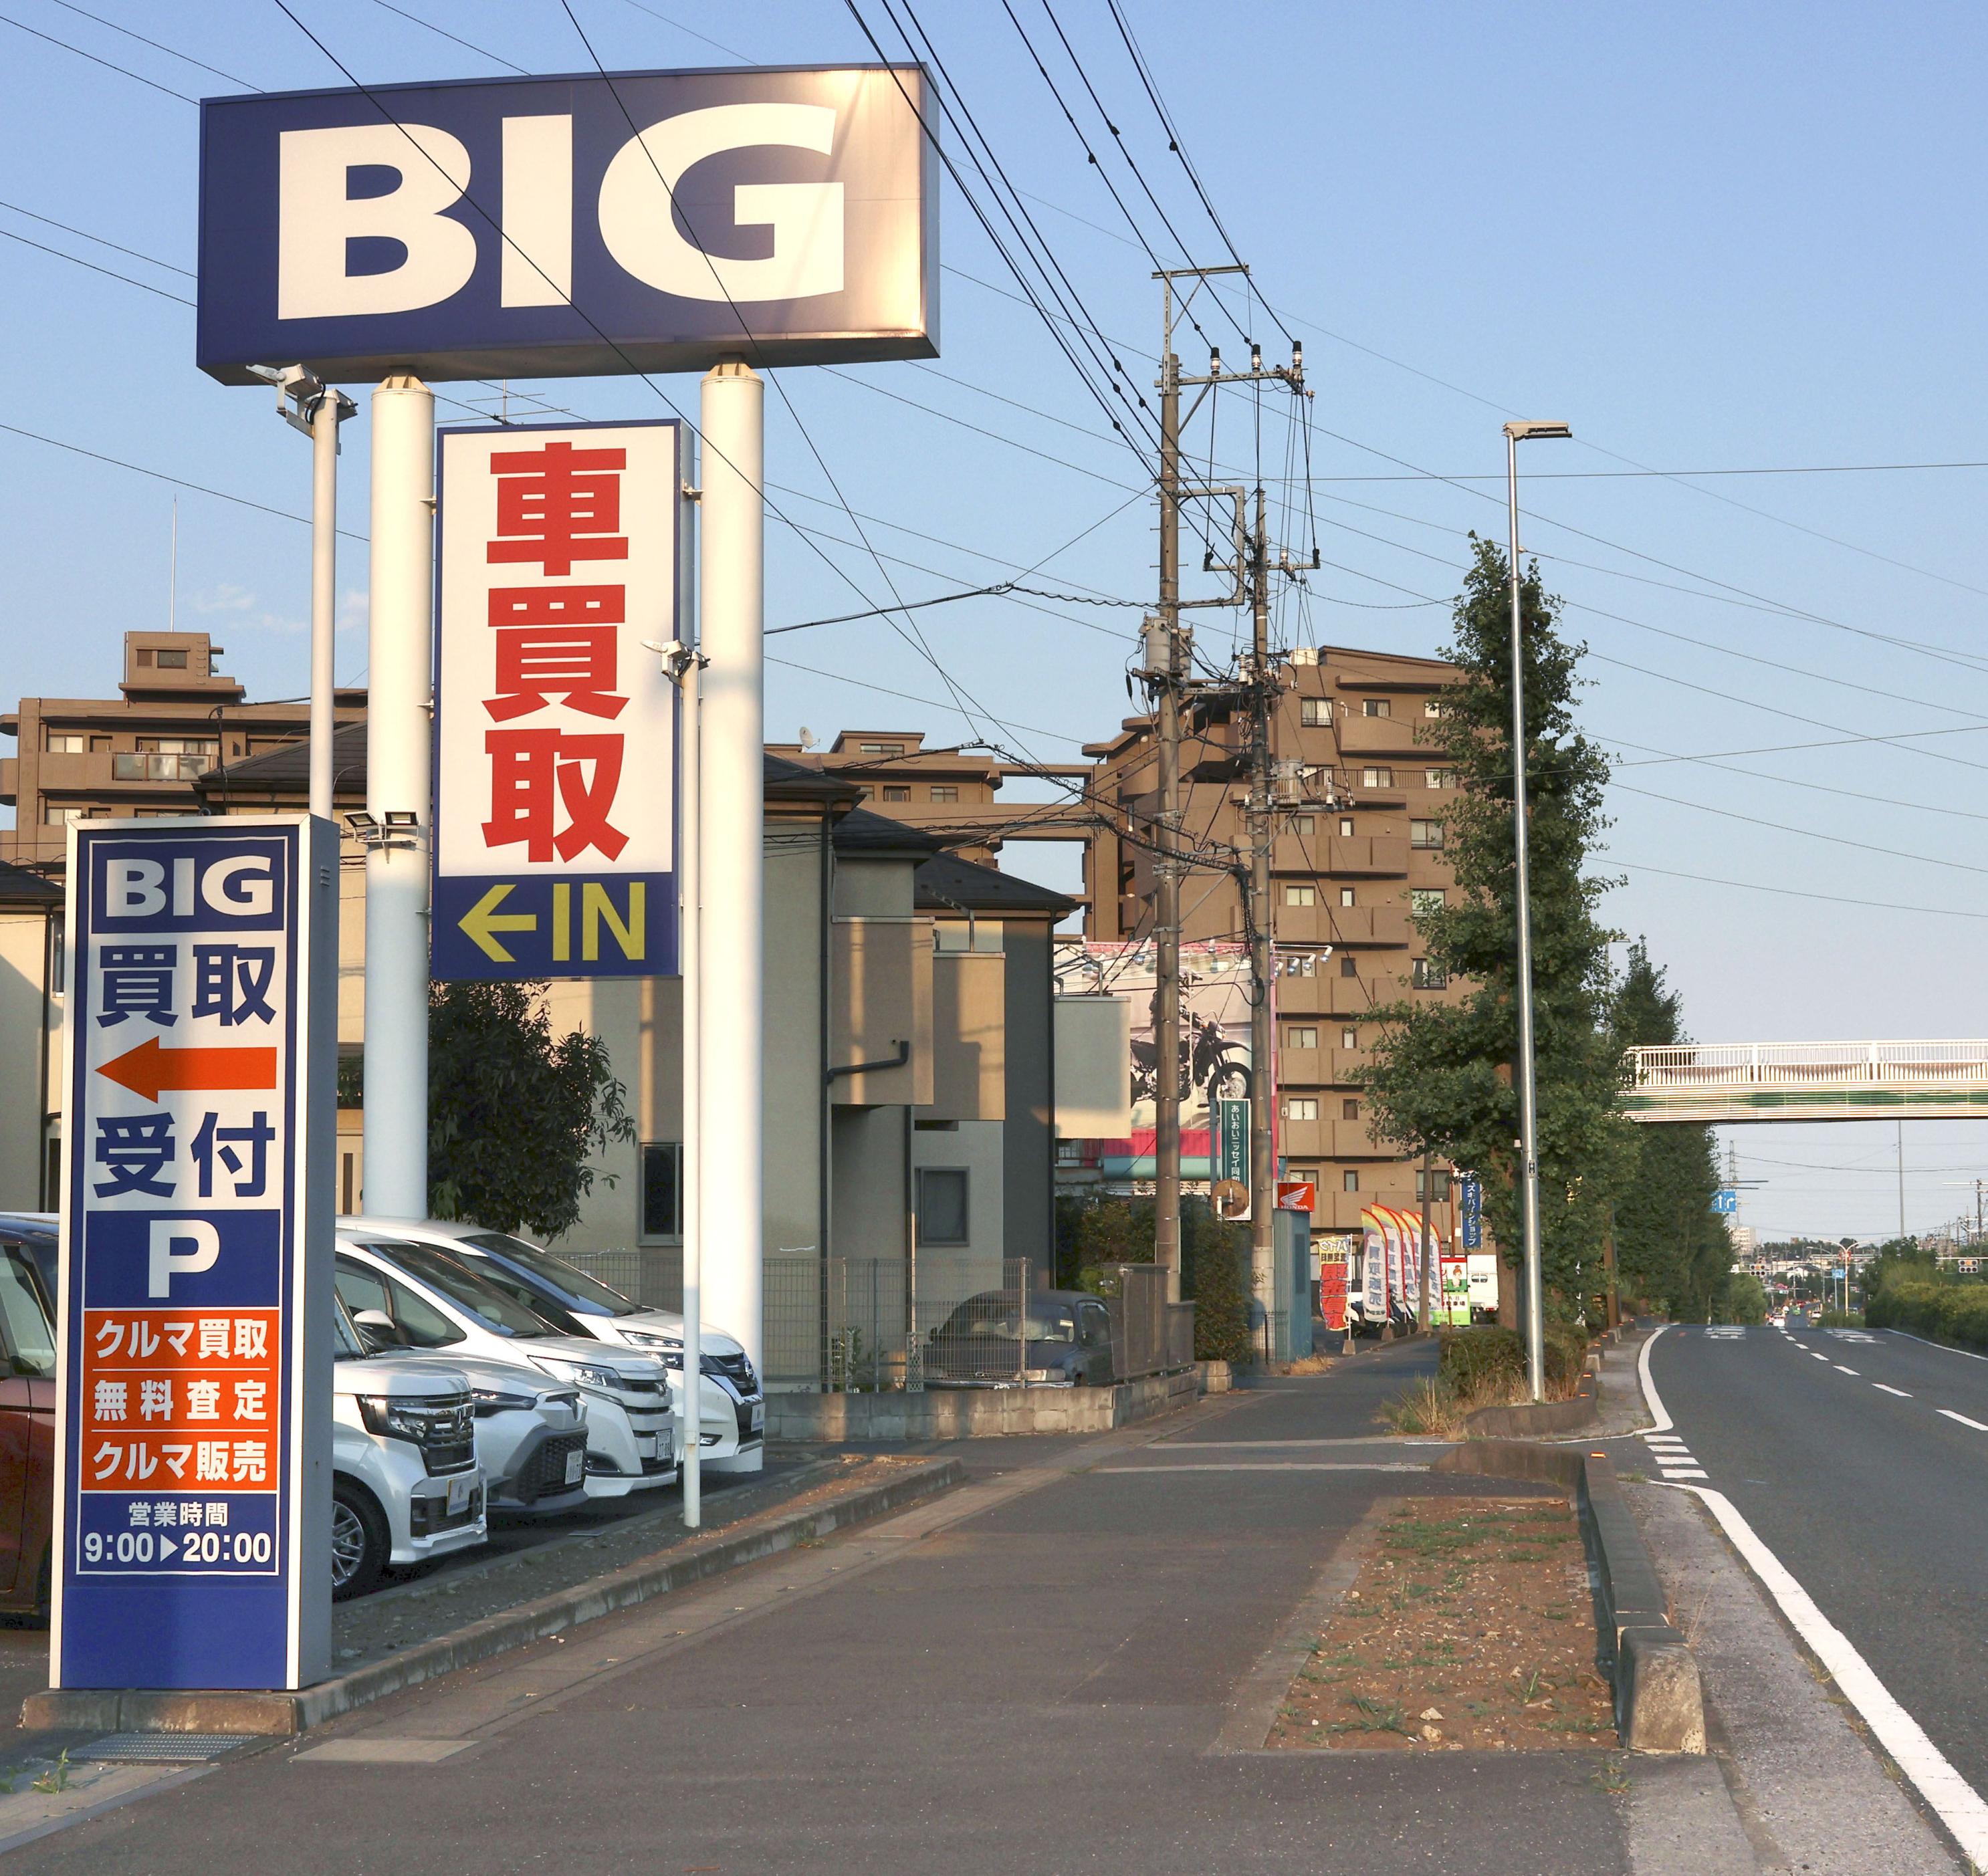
(643, 1338)
(582, 1374)
(495, 1401)
(391, 1419)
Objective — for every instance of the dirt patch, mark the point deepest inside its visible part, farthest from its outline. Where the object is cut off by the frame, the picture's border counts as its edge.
(1469, 1627)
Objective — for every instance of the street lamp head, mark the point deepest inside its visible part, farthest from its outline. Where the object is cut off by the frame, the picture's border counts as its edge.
(1519, 432)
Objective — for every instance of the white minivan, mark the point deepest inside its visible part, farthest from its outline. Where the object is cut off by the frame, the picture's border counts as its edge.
(420, 1296)
(405, 1485)
(732, 1407)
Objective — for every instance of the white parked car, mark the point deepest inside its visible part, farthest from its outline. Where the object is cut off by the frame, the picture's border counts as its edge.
(430, 1300)
(732, 1408)
(405, 1484)
(530, 1430)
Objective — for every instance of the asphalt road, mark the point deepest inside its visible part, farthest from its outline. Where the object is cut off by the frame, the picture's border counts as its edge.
(1861, 1460)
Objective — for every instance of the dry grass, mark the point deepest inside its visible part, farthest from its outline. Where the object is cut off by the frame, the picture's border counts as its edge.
(1431, 1407)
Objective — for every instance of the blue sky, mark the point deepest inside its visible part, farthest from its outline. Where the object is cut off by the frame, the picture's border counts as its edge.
(1708, 237)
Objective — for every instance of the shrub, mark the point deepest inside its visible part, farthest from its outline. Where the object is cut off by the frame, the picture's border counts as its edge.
(1216, 1279)
(1949, 1312)
(1479, 1363)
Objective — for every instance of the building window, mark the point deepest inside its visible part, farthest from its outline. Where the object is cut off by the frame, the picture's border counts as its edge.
(942, 1216)
(1349, 1110)
(145, 657)
(1377, 778)
(1300, 895)
(1376, 707)
(1346, 826)
(1431, 707)
(1438, 1185)
(880, 748)
(1315, 712)
(1428, 975)
(1070, 1153)
(1442, 778)
(1425, 833)
(1301, 1108)
(1426, 899)
(172, 661)
(897, 794)
(1299, 963)
(1349, 965)
(1300, 1037)
(1346, 895)
(1349, 1038)
(1302, 825)
(944, 791)
(1349, 1181)
(662, 1187)
(64, 742)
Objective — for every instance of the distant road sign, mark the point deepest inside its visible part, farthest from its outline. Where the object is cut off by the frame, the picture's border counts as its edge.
(555, 770)
(194, 1434)
(1726, 1200)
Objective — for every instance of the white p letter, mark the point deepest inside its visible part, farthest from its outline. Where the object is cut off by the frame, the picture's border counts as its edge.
(316, 216)
(205, 1254)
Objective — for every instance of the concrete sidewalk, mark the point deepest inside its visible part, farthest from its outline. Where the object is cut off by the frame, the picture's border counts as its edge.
(1035, 1673)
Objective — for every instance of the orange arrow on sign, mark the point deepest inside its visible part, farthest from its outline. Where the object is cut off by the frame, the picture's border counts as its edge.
(149, 1070)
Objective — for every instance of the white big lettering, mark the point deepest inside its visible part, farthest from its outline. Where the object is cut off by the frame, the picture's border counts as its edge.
(134, 888)
(537, 266)
(183, 886)
(166, 1261)
(251, 898)
(638, 226)
(317, 217)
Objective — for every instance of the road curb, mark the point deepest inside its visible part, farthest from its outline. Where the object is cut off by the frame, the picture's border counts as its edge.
(111, 1710)
(1659, 1698)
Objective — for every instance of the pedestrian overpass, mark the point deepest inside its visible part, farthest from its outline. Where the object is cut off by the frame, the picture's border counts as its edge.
(1726, 1082)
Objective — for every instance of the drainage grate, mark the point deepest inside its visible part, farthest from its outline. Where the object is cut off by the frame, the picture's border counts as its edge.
(159, 1748)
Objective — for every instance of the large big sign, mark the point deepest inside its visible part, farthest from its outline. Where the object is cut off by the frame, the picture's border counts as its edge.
(556, 799)
(549, 227)
(194, 1437)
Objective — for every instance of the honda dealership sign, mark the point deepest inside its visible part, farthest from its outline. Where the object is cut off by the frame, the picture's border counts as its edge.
(555, 784)
(544, 227)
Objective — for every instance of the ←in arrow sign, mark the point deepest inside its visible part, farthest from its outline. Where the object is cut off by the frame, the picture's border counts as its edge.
(149, 1070)
(482, 921)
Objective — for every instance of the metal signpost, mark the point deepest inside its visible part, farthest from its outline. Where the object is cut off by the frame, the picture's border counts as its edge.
(193, 1500)
(555, 735)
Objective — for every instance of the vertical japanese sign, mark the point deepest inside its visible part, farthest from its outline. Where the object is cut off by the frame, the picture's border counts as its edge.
(194, 1440)
(556, 785)
(1472, 1210)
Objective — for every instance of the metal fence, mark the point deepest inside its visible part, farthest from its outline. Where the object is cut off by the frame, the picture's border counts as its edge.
(651, 1276)
(1149, 1335)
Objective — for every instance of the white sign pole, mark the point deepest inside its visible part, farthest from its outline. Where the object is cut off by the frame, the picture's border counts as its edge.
(324, 594)
(690, 1181)
(732, 855)
(398, 796)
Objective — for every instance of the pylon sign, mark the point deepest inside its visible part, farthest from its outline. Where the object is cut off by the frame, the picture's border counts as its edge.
(556, 728)
(193, 1469)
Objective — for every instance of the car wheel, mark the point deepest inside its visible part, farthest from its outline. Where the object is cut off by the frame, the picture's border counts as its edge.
(360, 1542)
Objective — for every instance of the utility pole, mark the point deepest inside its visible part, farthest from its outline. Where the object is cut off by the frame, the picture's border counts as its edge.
(1263, 1039)
(1166, 897)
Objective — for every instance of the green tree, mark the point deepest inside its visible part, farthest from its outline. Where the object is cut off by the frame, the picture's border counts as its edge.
(1671, 1248)
(516, 1113)
(1743, 1301)
(1442, 1074)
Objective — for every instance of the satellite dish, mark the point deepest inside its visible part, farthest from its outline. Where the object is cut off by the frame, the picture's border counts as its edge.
(808, 737)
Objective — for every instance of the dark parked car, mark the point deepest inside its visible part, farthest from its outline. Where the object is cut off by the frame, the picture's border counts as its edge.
(27, 1262)
(1062, 1339)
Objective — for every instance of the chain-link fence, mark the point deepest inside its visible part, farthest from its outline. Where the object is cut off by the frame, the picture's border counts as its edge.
(651, 1276)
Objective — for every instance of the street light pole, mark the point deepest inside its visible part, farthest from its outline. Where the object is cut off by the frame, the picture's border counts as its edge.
(1529, 1149)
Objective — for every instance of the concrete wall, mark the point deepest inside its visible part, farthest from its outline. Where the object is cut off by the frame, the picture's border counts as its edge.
(975, 1147)
(969, 1048)
(868, 1217)
(25, 1008)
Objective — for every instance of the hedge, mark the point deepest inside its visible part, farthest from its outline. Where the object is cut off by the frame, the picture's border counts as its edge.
(1476, 1362)
(1951, 1312)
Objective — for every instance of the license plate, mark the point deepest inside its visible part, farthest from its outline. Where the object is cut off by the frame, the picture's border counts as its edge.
(758, 1416)
(576, 1466)
(459, 1490)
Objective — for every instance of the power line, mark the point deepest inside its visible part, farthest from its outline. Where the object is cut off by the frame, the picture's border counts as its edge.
(184, 57)
(1790, 892)
(122, 70)
(85, 235)
(179, 299)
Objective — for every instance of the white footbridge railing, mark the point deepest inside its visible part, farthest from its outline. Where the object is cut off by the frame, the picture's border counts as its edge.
(1808, 1081)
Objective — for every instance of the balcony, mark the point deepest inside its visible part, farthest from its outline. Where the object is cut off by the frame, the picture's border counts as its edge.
(1320, 1068)
(149, 767)
(1394, 736)
(1326, 922)
(1302, 1141)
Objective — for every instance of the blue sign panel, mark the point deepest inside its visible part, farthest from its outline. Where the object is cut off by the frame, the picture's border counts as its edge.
(193, 1433)
(587, 225)
(1473, 1206)
(1726, 1200)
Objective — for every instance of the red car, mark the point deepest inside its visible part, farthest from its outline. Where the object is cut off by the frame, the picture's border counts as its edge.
(27, 1411)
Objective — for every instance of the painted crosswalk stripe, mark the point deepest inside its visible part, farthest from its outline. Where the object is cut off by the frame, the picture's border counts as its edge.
(1963, 1419)
(1684, 1472)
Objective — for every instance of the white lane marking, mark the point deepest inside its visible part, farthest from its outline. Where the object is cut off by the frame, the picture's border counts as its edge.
(1813, 1356)
(1266, 1465)
(1883, 1389)
(1841, 1369)
(1962, 1418)
(1941, 1347)
(1958, 1805)
(1684, 1471)
(1651, 1398)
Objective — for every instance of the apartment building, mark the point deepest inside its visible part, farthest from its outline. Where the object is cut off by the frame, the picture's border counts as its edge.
(175, 717)
(1359, 849)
